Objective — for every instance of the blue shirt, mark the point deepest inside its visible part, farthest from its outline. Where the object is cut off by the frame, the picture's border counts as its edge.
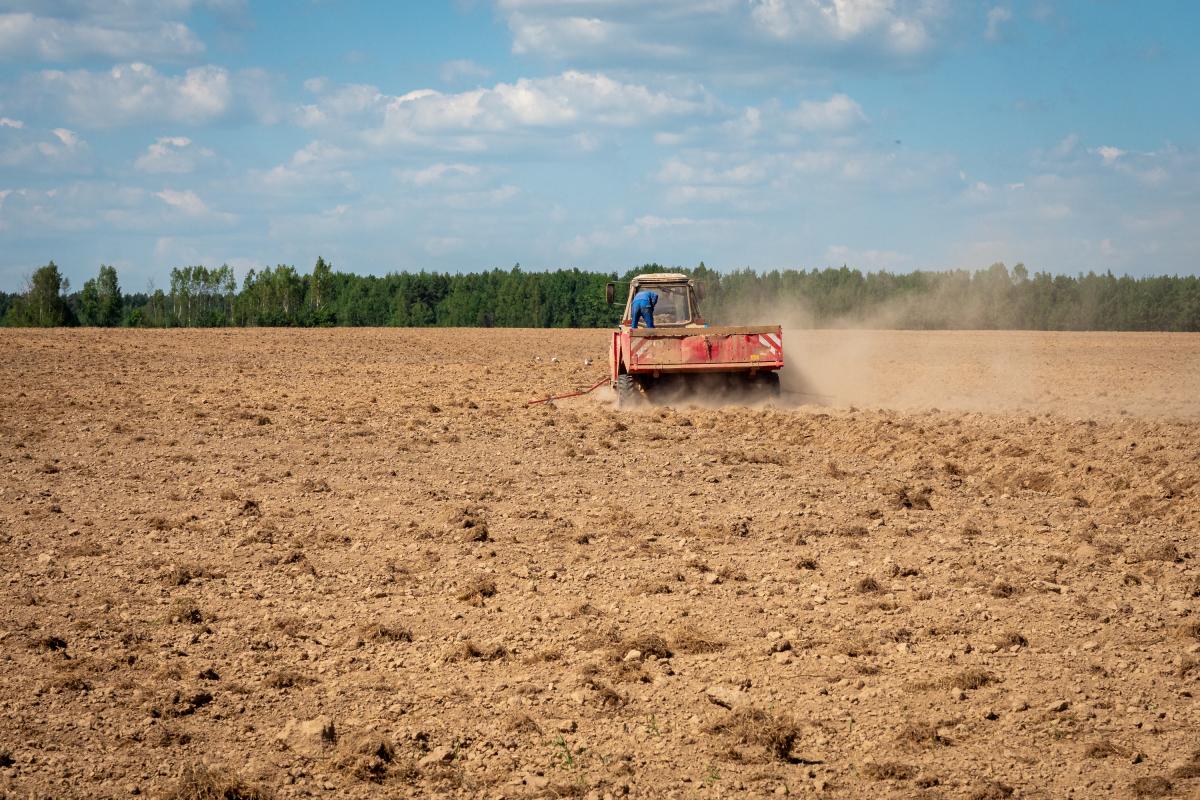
(645, 299)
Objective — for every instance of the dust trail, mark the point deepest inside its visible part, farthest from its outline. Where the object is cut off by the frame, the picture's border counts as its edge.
(864, 360)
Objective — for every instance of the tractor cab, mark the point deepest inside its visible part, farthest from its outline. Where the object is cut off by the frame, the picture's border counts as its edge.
(678, 299)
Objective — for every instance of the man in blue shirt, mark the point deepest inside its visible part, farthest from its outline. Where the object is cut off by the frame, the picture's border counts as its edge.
(643, 307)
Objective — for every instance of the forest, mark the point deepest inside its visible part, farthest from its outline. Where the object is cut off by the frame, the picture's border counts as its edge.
(992, 298)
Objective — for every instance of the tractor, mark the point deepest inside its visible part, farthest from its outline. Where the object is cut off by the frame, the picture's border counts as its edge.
(684, 357)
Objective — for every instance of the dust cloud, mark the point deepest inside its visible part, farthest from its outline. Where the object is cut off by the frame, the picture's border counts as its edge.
(867, 360)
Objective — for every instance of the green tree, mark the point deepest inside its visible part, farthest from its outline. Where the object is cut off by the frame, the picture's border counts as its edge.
(42, 305)
(100, 301)
(320, 297)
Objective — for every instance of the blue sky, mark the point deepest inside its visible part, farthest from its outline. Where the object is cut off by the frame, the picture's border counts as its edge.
(885, 134)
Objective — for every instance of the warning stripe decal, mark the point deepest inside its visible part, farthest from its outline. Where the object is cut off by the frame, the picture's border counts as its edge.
(771, 342)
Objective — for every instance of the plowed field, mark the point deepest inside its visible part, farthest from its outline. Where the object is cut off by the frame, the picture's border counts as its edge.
(351, 563)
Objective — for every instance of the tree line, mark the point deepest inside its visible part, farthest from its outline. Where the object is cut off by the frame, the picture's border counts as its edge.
(993, 298)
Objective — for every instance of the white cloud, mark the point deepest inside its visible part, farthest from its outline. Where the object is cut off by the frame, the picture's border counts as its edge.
(8, 122)
(997, 18)
(437, 173)
(547, 36)
(895, 27)
(27, 35)
(318, 163)
(138, 93)
(567, 36)
(462, 69)
(186, 201)
(465, 120)
(745, 126)
(343, 103)
(744, 34)
(78, 207)
(319, 152)
(645, 231)
(1154, 168)
(1156, 221)
(835, 114)
(171, 154)
(55, 150)
(676, 171)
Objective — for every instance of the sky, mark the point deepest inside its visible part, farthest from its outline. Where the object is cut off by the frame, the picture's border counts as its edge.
(601, 134)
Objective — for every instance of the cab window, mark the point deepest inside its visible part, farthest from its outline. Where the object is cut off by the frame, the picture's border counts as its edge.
(672, 308)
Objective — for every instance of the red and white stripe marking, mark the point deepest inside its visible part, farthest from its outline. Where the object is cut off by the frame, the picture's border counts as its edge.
(772, 342)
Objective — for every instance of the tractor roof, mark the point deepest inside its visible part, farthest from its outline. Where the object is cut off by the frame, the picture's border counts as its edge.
(662, 277)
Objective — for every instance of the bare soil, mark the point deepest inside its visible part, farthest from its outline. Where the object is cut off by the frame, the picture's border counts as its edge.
(351, 563)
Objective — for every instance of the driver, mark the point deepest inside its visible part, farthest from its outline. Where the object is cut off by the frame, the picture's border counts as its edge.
(643, 307)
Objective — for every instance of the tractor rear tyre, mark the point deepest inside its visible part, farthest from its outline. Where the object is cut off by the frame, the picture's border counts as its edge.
(767, 385)
(627, 391)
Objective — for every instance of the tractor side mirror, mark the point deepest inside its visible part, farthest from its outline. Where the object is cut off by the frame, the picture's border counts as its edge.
(610, 293)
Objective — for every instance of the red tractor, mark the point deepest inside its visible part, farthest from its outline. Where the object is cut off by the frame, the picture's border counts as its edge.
(683, 356)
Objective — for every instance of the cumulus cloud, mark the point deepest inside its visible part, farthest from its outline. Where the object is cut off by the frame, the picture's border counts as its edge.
(692, 32)
(72, 30)
(54, 150)
(549, 34)
(186, 201)
(438, 174)
(135, 93)
(189, 204)
(893, 27)
(171, 154)
(338, 104)
(646, 232)
(475, 119)
(77, 207)
(677, 171)
(318, 163)
(138, 93)
(835, 114)
(26, 36)
(7, 122)
(570, 98)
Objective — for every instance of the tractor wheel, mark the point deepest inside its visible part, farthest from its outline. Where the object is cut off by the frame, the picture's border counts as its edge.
(627, 391)
(767, 385)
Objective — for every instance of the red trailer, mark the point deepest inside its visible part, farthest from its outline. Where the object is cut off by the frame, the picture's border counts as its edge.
(683, 354)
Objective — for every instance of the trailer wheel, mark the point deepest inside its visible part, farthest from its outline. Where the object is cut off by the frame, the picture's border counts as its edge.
(627, 391)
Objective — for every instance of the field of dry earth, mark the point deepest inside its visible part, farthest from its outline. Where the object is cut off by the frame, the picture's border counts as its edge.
(350, 563)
